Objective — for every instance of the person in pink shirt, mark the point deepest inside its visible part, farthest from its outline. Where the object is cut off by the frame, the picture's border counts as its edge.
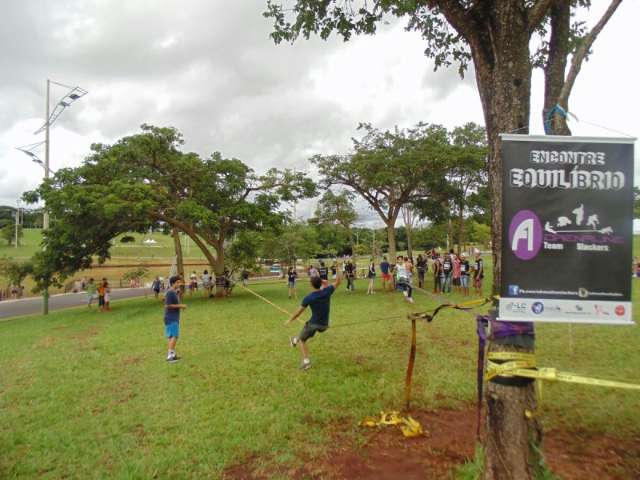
(456, 272)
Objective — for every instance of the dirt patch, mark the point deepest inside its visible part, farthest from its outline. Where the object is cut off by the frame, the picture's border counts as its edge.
(85, 335)
(46, 342)
(132, 360)
(449, 442)
(591, 456)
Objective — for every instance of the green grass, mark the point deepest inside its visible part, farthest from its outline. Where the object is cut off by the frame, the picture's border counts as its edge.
(164, 249)
(89, 395)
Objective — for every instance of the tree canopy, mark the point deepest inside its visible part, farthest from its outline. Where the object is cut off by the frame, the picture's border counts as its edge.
(145, 180)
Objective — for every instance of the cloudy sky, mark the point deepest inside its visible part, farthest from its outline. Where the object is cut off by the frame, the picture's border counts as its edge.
(208, 68)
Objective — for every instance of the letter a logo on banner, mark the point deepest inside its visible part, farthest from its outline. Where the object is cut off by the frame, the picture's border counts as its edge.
(525, 235)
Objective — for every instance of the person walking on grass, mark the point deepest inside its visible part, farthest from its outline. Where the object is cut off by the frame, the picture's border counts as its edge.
(320, 301)
(92, 292)
(155, 286)
(292, 275)
(172, 307)
(371, 275)
(403, 271)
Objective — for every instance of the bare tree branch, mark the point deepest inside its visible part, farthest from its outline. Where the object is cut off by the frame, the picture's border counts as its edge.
(583, 50)
(537, 12)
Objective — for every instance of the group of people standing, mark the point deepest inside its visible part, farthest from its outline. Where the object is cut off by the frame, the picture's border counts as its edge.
(101, 291)
(451, 272)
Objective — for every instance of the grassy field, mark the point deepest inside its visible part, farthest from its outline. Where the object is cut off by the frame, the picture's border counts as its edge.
(89, 395)
(135, 250)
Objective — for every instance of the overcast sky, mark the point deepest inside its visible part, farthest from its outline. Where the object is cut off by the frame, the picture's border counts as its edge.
(208, 68)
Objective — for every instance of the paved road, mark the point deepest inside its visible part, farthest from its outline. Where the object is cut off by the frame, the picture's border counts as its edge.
(29, 306)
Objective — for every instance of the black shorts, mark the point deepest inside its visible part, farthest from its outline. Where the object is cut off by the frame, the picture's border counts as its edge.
(101, 300)
(309, 330)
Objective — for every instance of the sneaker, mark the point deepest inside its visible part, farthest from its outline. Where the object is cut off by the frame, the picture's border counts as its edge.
(173, 359)
(305, 365)
(293, 341)
(410, 300)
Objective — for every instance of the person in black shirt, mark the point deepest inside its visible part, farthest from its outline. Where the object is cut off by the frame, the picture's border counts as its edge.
(292, 275)
(320, 301)
(478, 274)
(371, 275)
(421, 265)
(323, 273)
(350, 272)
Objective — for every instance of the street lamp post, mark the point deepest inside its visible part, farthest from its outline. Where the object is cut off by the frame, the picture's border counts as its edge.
(45, 214)
(73, 94)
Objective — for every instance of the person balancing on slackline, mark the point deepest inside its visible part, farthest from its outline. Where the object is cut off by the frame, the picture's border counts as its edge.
(319, 300)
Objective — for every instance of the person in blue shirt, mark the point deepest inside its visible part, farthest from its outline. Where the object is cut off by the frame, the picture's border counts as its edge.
(319, 300)
(172, 307)
(386, 276)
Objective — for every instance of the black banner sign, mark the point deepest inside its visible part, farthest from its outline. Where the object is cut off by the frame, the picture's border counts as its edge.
(567, 229)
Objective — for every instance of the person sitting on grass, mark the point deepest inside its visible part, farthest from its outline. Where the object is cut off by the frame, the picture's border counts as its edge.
(172, 316)
(320, 301)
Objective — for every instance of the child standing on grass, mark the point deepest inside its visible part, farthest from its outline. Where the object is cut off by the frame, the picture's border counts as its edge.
(107, 296)
(101, 292)
(319, 300)
(91, 292)
(172, 307)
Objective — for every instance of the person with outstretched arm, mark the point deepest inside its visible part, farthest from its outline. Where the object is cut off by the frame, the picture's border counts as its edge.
(319, 300)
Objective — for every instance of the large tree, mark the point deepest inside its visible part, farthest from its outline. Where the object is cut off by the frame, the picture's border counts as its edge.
(338, 209)
(496, 35)
(390, 169)
(144, 180)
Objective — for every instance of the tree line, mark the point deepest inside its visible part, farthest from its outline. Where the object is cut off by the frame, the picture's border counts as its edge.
(230, 212)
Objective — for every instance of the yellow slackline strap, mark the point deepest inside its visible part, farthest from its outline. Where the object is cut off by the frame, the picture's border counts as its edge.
(464, 306)
(408, 425)
(269, 302)
(518, 364)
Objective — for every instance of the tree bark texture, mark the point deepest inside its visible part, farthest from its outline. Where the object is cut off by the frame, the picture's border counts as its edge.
(503, 74)
(178, 248)
(555, 68)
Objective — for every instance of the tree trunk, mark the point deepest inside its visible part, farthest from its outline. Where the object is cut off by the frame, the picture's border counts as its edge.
(503, 75)
(554, 70)
(218, 268)
(391, 238)
(460, 231)
(178, 247)
(45, 301)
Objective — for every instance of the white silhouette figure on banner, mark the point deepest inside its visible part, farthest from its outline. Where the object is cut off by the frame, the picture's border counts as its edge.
(593, 221)
(563, 221)
(579, 213)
